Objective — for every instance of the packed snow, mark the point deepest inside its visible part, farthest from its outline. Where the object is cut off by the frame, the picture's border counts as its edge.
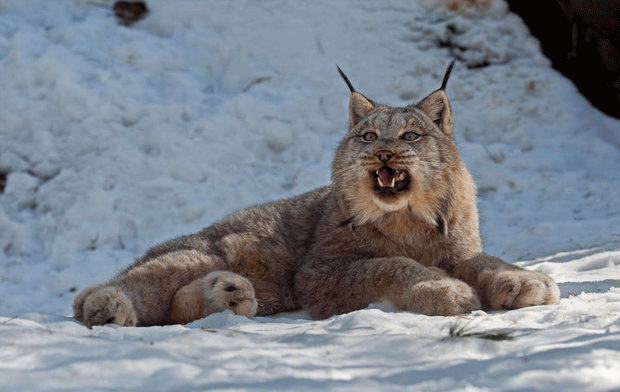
(114, 139)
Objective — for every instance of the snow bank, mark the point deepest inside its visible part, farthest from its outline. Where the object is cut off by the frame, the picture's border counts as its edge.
(114, 139)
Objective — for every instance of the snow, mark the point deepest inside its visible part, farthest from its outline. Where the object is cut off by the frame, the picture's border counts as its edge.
(114, 139)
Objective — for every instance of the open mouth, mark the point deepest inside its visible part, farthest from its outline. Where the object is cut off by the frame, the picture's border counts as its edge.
(389, 181)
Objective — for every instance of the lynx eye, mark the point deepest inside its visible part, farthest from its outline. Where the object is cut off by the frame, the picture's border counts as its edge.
(410, 136)
(369, 137)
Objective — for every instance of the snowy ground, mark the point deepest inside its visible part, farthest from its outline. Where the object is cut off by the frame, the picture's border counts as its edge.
(113, 139)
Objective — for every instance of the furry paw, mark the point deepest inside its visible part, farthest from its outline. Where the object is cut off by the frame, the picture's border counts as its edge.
(443, 297)
(226, 290)
(100, 304)
(518, 289)
(215, 292)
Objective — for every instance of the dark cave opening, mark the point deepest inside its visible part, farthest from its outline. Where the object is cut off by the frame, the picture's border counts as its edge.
(582, 40)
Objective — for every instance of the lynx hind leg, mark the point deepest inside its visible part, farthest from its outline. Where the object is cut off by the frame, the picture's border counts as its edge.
(215, 292)
(227, 290)
(521, 288)
(101, 304)
(78, 301)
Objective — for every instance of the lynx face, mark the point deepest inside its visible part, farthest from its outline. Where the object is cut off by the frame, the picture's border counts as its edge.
(396, 159)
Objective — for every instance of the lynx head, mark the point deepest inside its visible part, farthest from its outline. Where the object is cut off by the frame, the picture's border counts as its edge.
(400, 159)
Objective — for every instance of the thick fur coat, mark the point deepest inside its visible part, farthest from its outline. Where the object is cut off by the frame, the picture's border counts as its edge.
(398, 223)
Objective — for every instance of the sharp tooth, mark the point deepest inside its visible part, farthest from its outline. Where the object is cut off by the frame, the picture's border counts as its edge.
(401, 176)
(393, 182)
(380, 182)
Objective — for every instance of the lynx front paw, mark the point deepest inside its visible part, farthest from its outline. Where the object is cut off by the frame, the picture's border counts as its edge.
(518, 289)
(443, 297)
(227, 290)
(99, 305)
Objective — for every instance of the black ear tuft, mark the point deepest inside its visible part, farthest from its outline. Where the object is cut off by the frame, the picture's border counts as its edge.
(437, 105)
(446, 76)
(346, 80)
(359, 105)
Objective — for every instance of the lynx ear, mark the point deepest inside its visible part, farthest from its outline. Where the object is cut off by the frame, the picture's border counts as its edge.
(359, 105)
(437, 105)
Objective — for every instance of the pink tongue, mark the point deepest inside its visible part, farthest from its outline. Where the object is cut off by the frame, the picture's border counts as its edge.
(386, 177)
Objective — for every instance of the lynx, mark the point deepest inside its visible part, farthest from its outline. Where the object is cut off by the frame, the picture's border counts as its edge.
(399, 223)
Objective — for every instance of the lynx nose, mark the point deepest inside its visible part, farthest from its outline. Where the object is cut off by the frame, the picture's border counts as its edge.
(384, 155)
